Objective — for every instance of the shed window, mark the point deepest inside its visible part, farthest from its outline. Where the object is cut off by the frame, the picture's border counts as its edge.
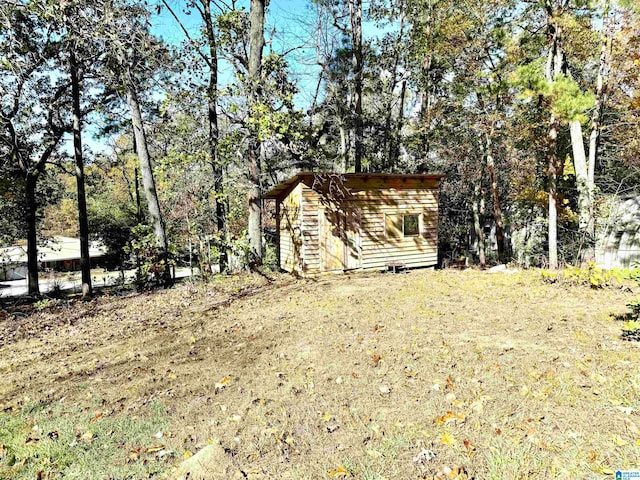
(411, 225)
(399, 226)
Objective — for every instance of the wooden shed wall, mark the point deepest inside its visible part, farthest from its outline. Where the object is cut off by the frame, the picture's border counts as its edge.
(289, 228)
(374, 203)
(311, 205)
(379, 248)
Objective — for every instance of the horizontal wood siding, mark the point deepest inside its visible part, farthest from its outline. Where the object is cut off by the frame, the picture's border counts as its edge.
(311, 204)
(374, 205)
(378, 248)
(290, 237)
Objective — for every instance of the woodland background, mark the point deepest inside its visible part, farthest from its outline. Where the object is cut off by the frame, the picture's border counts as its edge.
(155, 126)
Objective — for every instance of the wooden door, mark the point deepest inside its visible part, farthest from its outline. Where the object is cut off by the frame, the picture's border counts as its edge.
(339, 238)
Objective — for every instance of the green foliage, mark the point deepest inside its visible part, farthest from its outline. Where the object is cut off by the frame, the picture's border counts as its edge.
(568, 101)
(564, 95)
(591, 276)
(270, 257)
(50, 441)
(530, 79)
(153, 264)
(631, 327)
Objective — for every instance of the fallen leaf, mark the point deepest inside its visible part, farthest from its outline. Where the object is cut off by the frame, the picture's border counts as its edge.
(409, 373)
(221, 385)
(450, 383)
(632, 427)
(96, 417)
(424, 456)
(154, 449)
(187, 454)
(384, 389)
(619, 441)
(376, 359)
(447, 439)
(339, 472)
(451, 417)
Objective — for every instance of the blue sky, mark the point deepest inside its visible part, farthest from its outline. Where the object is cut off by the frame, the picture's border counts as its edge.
(285, 17)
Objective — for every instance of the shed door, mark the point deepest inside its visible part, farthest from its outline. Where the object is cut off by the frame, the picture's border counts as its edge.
(339, 238)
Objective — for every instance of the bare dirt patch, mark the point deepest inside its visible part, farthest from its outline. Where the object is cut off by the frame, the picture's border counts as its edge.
(364, 376)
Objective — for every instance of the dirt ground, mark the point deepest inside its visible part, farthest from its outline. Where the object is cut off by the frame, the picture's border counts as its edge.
(447, 374)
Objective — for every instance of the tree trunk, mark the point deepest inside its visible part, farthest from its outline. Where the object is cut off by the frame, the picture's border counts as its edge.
(212, 114)
(495, 196)
(477, 221)
(553, 193)
(344, 152)
(146, 171)
(83, 219)
(395, 156)
(601, 92)
(582, 181)
(355, 9)
(32, 234)
(256, 44)
(553, 69)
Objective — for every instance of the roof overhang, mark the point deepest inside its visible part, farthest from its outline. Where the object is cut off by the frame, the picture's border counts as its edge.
(282, 189)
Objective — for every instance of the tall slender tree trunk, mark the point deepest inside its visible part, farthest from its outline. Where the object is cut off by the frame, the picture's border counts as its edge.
(146, 171)
(495, 197)
(32, 234)
(214, 132)
(478, 210)
(256, 44)
(344, 151)
(582, 180)
(553, 69)
(83, 219)
(397, 130)
(355, 10)
(553, 192)
(596, 117)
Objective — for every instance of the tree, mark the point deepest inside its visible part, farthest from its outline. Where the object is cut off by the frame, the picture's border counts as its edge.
(355, 13)
(33, 102)
(133, 56)
(256, 44)
(211, 61)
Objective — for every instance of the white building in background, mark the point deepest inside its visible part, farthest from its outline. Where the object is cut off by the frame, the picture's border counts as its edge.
(618, 244)
(58, 254)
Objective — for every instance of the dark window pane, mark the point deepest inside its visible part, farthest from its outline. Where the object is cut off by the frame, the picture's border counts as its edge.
(411, 225)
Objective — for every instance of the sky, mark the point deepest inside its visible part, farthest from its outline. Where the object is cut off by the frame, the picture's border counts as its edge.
(288, 23)
(284, 26)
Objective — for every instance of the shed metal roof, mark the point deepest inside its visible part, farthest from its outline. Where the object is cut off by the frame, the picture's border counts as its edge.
(285, 186)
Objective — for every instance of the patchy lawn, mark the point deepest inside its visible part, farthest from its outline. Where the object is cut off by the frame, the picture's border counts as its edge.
(368, 376)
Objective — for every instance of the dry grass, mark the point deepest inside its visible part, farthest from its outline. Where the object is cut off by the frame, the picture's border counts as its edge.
(500, 376)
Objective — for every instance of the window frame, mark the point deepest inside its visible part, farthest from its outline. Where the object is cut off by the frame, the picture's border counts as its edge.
(398, 230)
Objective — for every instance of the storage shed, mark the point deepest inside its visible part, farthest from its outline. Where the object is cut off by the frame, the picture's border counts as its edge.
(332, 222)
